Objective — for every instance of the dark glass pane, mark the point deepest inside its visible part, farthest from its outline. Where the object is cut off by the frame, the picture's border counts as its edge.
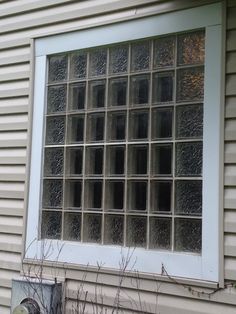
(78, 65)
(118, 92)
(161, 196)
(114, 229)
(137, 196)
(138, 160)
(56, 99)
(53, 162)
(119, 59)
(162, 123)
(57, 68)
(163, 87)
(114, 195)
(140, 56)
(52, 194)
(164, 52)
(117, 126)
(94, 160)
(138, 125)
(72, 227)
(77, 96)
(51, 225)
(96, 127)
(55, 130)
(93, 194)
(189, 159)
(73, 194)
(75, 157)
(97, 94)
(140, 90)
(160, 233)
(98, 62)
(136, 231)
(162, 159)
(92, 228)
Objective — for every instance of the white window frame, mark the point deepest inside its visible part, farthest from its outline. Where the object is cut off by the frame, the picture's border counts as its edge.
(189, 265)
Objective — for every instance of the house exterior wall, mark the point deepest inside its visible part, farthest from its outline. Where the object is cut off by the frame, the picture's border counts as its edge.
(25, 19)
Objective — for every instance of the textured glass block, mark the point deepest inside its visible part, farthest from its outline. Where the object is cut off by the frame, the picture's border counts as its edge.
(73, 194)
(95, 128)
(189, 121)
(188, 197)
(137, 195)
(189, 159)
(119, 59)
(161, 196)
(94, 160)
(163, 87)
(118, 92)
(93, 194)
(137, 160)
(161, 163)
(72, 227)
(78, 65)
(191, 48)
(97, 92)
(98, 62)
(190, 84)
(75, 161)
(115, 161)
(56, 99)
(52, 193)
(53, 162)
(188, 235)
(164, 52)
(77, 96)
(138, 125)
(140, 90)
(114, 229)
(140, 56)
(136, 231)
(57, 68)
(92, 228)
(55, 130)
(160, 233)
(114, 195)
(162, 120)
(116, 126)
(76, 129)
(51, 225)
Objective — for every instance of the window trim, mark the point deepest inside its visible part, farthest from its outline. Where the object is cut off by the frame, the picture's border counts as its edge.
(201, 267)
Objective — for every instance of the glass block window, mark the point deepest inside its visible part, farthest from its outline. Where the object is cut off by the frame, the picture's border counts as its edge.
(123, 144)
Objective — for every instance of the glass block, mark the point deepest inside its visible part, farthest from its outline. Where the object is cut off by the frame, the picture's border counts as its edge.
(189, 121)
(92, 228)
(140, 90)
(161, 163)
(116, 126)
(140, 56)
(189, 159)
(53, 162)
(137, 160)
(190, 84)
(191, 48)
(161, 196)
(138, 125)
(118, 92)
(56, 101)
(72, 227)
(51, 225)
(163, 87)
(114, 195)
(78, 65)
(164, 52)
(115, 161)
(114, 229)
(119, 59)
(97, 92)
(94, 160)
(55, 130)
(93, 194)
(136, 231)
(77, 96)
(160, 233)
(57, 68)
(137, 195)
(95, 127)
(98, 62)
(73, 194)
(75, 161)
(76, 129)
(188, 235)
(52, 193)
(188, 197)
(162, 120)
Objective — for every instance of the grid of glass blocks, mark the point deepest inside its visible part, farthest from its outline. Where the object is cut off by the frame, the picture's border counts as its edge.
(123, 144)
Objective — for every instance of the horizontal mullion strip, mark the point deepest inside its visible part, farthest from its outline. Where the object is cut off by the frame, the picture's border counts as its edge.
(10, 247)
(15, 59)
(15, 76)
(11, 212)
(12, 194)
(14, 93)
(8, 229)
(13, 177)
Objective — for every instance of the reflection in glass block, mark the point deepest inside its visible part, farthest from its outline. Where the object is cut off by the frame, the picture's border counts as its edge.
(72, 227)
(114, 229)
(118, 92)
(55, 130)
(117, 126)
(140, 56)
(92, 228)
(57, 68)
(161, 195)
(94, 160)
(78, 65)
(140, 90)
(162, 159)
(114, 195)
(163, 86)
(162, 123)
(53, 162)
(76, 130)
(56, 99)
(138, 159)
(189, 159)
(164, 52)
(189, 121)
(160, 233)
(73, 194)
(77, 96)
(51, 225)
(95, 127)
(93, 197)
(98, 62)
(115, 160)
(138, 126)
(190, 84)
(137, 191)
(188, 235)
(191, 48)
(188, 197)
(136, 231)
(97, 91)
(75, 161)
(119, 59)
(52, 193)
